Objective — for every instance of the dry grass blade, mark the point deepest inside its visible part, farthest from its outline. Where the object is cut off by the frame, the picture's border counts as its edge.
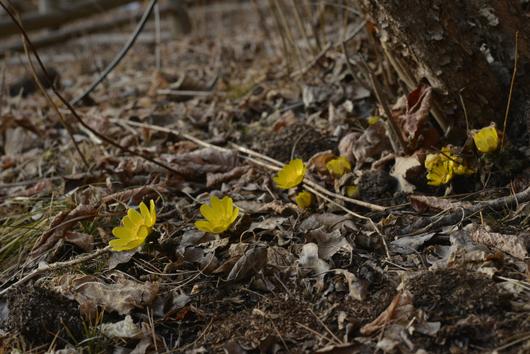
(55, 266)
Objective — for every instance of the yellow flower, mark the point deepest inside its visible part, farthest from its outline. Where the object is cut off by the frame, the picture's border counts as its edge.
(486, 139)
(136, 227)
(219, 215)
(290, 175)
(439, 170)
(373, 120)
(339, 166)
(442, 167)
(352, 191)
(304, 199)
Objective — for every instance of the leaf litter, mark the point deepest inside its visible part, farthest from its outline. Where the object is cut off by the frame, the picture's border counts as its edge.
(280, 276)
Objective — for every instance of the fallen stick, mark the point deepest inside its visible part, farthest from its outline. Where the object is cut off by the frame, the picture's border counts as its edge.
(455, 216)
(43, 268)
(276, 165)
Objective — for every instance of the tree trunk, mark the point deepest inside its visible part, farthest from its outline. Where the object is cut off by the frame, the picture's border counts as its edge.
(465, 50)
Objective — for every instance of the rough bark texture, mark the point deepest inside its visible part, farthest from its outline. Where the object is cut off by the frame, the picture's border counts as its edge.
(459, 47)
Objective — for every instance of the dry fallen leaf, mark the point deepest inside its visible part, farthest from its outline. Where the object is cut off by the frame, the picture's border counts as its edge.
(370, 145)
(317, 163)
(515, 245)
(309, 259)
(329, 242)
(249, 264)
(60, 224)
(215, 179)
(121, 329)
(358, 289)
(400, 307)
(401, 166)
(198, 163)
(411, 114)
(90, 292)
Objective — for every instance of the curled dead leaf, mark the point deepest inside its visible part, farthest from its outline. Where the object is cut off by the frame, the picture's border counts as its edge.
(60, 224)
(249, 264)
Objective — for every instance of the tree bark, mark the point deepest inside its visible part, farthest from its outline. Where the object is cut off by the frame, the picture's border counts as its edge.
(464, 49)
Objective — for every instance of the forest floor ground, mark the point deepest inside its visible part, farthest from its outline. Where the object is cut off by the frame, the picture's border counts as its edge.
(415, 269)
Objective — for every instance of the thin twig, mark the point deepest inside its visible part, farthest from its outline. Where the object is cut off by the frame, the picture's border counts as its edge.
(283, 37)
(120, 55)
(464, 109)
(315, 333)
(321, 193)
(511, 89)
(328, 46)
(326, 327)
(307, 182)
(56, 266)
(171, 131)
(310, 183)
(462, 213)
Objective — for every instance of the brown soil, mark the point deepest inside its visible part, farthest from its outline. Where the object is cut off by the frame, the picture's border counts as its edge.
(42, 316)
(476, 315)
(299, 139)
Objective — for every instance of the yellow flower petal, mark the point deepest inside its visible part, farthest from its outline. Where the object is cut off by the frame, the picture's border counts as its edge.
(135, 216)
(128, 223)
(215, 202)
(290, 175)
(442, 167)
(219, 215)
(304, 199)
(235, 213)
(352, 191)
(119, 244)
(204, 225)
(486, 139)
(439, 169)
(209, 212)
(373, 120)
(339, 166)
(152, 211)
(145, 213)
(122, 232)
(225, 212)
(142, 233)
(125, 245)
(136, 227)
